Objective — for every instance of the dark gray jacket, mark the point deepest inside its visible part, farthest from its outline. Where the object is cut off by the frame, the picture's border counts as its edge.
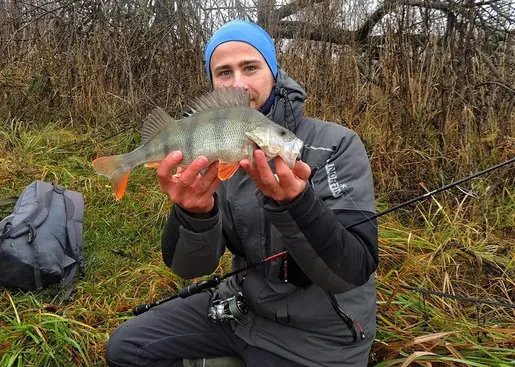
(294, 319)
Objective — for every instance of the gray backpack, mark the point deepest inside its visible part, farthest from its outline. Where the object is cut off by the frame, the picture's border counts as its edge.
(41, 242)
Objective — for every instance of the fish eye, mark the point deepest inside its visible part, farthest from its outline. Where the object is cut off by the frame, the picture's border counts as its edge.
(282, 133)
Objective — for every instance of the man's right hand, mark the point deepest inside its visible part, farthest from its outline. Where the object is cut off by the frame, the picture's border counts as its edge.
(187, 187)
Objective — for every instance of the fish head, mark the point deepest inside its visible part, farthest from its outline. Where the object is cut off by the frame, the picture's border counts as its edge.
(275, 140)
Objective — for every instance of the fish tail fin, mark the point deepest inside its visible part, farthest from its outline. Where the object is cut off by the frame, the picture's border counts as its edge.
(112, 167)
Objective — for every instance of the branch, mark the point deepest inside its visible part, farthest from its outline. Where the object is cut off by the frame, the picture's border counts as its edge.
(292, 29)
(295, 29)
(336, 35)
(498, 84)
(428, 4)
(364, 31)
(293, 8)
(490, 65)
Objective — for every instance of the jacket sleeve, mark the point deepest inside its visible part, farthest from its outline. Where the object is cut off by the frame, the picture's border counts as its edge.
(192, 245)
(313, 226)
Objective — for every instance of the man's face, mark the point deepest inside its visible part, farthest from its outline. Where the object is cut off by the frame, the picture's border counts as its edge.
(238, 64)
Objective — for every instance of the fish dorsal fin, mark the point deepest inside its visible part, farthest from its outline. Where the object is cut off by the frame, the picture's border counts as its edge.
(156, 121)
(219, 98)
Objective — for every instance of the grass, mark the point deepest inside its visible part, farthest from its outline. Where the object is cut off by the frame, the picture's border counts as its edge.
(460, 250)
(450, 243)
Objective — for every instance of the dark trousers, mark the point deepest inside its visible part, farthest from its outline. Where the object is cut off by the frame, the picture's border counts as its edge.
(177, 330)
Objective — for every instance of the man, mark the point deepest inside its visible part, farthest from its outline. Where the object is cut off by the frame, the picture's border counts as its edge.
(314, 307)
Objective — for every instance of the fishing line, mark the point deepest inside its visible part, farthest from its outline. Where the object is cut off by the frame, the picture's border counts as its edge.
(431, 193)
(213, 282)
(210, 283)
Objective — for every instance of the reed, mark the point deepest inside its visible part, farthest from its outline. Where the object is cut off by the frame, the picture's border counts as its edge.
(76, 79)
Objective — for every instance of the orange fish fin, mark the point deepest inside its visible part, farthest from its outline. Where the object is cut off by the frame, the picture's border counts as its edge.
(120, 185)
(108, 165)
(152, 164)
(226, 170)
(112, 168)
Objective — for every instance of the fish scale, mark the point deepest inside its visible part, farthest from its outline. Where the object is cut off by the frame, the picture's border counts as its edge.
(221, 126)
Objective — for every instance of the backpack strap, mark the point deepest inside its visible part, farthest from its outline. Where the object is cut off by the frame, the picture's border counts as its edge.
(37, 267)
(71, 280)
(74, 205)
(37, 197)
(42, 191)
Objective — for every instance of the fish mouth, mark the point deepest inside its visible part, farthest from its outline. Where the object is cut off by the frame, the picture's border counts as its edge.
(289, 152)
(267, 154)
(274, 146)
(257, 147)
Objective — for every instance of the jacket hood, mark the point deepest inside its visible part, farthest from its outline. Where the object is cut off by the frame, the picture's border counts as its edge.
(288, 107)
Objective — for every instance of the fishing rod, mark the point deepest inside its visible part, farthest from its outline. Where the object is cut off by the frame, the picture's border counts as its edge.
(203, 285)
(431, 193)
(235, 308)
(216, 280)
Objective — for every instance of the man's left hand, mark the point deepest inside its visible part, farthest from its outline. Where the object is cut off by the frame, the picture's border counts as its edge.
(288, 184)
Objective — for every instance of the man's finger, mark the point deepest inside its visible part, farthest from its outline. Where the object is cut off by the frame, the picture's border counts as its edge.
(206, 180)
(169, 163)
(302, 170)
(285, 175)
(249, 169)
(189, 175)
(264, 172)
(212, 187)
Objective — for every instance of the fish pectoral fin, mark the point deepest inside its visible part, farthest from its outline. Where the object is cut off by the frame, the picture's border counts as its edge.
(226, 170)
(152, 164)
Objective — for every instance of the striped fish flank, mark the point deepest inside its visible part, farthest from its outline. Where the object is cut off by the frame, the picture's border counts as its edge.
(219, 125)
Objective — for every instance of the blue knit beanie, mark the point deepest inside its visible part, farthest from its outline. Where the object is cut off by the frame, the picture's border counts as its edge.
(244, 31)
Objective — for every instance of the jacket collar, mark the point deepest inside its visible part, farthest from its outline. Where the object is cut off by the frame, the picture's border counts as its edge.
(288, 107)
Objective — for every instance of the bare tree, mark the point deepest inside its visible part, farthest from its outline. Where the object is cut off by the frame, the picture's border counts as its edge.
(426, 70)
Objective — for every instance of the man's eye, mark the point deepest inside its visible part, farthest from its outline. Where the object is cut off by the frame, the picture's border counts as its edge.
(225, 73)
(251, 68)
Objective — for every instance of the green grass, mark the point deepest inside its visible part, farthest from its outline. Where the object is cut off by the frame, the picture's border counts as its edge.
(450, 243)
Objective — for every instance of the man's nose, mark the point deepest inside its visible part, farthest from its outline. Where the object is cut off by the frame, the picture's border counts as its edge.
(239, 82)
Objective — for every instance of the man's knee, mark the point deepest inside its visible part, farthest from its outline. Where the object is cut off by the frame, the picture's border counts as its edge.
(125, 347)
(119, 350)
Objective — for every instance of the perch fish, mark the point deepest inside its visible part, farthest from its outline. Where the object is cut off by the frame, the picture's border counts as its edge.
(219, 125)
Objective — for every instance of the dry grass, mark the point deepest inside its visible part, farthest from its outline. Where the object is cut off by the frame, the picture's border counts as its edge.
(76, 78)
(451, 243)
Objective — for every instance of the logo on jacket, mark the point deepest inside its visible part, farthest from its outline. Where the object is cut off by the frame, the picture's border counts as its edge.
(337, 189)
